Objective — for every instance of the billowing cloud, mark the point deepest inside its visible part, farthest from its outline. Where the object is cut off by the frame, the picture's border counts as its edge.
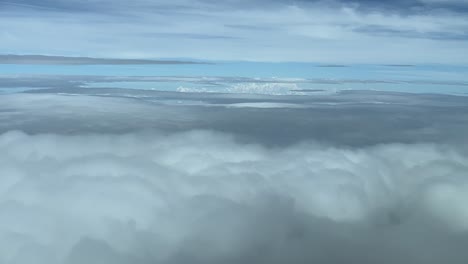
(134, 176)
(232, 169)
(202, 197)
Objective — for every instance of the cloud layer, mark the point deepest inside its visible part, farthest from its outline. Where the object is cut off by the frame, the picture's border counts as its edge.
(353, 118)
(134, 176)
(61, 60)
(390, 32)
(202, 197)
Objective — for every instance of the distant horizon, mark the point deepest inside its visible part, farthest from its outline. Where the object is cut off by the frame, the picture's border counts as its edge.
(60, 59)
(329, 32)
(233, 131)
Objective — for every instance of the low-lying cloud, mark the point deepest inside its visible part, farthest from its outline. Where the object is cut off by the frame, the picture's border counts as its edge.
(353, 118)
(203, 197)
(62, 60)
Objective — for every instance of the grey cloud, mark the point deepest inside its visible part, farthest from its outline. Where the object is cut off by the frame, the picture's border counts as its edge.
(332, 65)
(38, 82)
(309, 90)
(58, 5)
(50, 5)
(133, 176)
(250, 27)
(203, 197)
(62, 60)
(399, 6)
(342, 119)
(256, 30)
(188, 36)
(394, 32)
(403, 7)
(398, 65)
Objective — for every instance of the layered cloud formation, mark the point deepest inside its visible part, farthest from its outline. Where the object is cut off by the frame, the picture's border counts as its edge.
(144, 163)
(149, 177)
(61, 60)
(202, 197)
(320, 31)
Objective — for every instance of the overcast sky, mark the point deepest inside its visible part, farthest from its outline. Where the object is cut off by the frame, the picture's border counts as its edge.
(424, 31)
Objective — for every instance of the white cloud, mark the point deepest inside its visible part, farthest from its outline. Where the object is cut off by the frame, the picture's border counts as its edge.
(202, 197)
(270, 88)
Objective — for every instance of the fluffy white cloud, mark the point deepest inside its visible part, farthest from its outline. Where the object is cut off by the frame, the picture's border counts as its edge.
(202, 197)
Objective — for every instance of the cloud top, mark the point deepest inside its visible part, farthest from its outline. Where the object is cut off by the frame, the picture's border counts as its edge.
(203, 197)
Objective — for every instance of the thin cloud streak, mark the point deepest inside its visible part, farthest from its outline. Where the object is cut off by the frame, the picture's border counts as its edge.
(62, 60)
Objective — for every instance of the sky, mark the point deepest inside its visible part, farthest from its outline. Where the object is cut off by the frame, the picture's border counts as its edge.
(343, 32)
(228, 132)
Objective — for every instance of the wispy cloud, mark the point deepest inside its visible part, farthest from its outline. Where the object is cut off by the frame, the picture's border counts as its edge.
(41, 59)
(337, 32)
